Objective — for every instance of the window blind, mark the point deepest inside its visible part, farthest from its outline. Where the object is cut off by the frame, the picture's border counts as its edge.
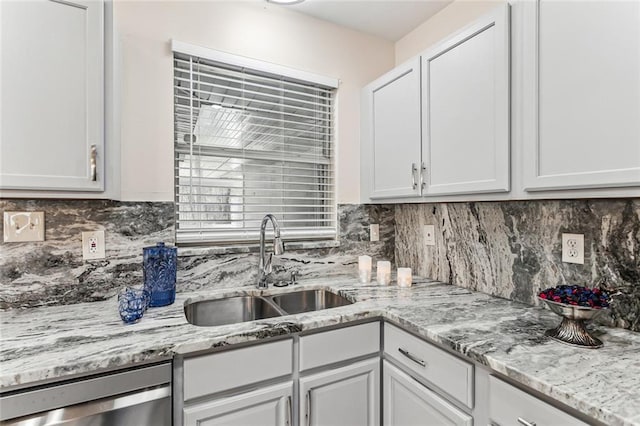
(248, 143)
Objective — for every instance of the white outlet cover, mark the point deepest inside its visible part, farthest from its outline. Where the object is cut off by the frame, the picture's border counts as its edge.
(93, 245)
(573, 248)
(23, 226)
(429, 235)
(374, 232)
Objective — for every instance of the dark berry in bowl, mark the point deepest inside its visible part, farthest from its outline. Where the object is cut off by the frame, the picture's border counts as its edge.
(576, 296)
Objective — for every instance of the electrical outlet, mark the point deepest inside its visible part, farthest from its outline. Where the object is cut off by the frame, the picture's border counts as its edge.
(93, 245)
(573, 248)
(429, 235)
(23, 226)
(374, 232)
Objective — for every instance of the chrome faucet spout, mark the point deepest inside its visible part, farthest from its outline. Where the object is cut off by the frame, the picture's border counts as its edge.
(264, 266)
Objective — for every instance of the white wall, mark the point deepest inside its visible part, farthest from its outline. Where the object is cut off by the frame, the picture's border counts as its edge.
(444, 23)
(249, 28)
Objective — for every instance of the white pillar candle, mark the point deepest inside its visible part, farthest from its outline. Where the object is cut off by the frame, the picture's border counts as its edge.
(383, 272)
(404, 277)
(364, 269)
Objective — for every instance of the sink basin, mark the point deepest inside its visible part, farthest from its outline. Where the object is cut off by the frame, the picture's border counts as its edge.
(229, 310)
(309, 300)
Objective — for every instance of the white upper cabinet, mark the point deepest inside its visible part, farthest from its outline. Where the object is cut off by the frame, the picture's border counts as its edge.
(465, 109)
(581, 94)
(394, 111)
(439, 124)
(51, 85)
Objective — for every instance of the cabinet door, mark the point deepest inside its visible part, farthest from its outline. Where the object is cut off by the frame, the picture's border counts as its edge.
(465, 89)
(581, 94)
(342, 397)
(395, 156)
(51, 109)
(271, 406)
(407, 402)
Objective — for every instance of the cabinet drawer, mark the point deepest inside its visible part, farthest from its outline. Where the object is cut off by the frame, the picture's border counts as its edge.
(339, 345)
(451, 374)
(509, 405)
(207, 374)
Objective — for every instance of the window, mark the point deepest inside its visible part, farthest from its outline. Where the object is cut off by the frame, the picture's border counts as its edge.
(250, 142)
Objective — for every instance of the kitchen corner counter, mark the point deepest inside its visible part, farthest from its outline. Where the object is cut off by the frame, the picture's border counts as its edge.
(56, 343)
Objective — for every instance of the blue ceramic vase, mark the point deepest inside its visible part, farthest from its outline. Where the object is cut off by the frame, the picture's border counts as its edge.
(159, 263)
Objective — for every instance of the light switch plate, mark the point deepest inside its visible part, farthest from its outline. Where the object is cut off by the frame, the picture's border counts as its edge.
(573, 248)
(429, 235)
(93, 245)
(374, 232)
(23, 226)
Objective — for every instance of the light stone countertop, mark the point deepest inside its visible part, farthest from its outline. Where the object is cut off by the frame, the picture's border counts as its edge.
(60, 342)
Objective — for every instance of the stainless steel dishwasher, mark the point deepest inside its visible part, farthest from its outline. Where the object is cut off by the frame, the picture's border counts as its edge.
(135, 397)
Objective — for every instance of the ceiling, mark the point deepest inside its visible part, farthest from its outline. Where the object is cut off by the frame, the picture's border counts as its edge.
(388, 19)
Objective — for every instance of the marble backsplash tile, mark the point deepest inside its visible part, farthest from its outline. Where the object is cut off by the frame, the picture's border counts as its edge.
(507, 249)
(53, 272)
(514, 249)
(206, 271)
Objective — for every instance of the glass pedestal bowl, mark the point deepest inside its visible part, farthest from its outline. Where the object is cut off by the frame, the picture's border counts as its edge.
(572, 329)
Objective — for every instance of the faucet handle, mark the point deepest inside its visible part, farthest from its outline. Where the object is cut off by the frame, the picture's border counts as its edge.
(294, 275)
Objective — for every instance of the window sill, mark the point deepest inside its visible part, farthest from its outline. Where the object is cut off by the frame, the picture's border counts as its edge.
(254, 248)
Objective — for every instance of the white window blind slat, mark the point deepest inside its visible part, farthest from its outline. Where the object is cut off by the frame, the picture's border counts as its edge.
(248, 143)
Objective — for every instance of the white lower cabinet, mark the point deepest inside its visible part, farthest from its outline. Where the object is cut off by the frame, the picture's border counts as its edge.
(236, 387)
(407, 402)
(450, 374)
(343, 396)
(333, 378)
(271, 406)
(339, 382)
(509, 405)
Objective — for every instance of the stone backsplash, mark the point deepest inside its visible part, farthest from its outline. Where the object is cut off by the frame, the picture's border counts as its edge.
(53, 272)
(228, 270)
(507, 249)
(514, 249)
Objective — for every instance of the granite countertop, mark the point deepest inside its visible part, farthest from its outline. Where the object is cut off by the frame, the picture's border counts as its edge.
(63, 341)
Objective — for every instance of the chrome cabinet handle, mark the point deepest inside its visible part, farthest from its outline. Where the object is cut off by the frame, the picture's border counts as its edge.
(92, 163)
(414, 169)
(289, 411)
(423, 171)
(308, 408)
(523, 422)
(412, 357)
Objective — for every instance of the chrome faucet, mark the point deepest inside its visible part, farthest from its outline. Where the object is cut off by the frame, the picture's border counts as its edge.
(264, 267)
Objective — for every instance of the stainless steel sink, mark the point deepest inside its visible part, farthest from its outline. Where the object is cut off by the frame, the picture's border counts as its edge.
(309, 300)
(230, 310)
